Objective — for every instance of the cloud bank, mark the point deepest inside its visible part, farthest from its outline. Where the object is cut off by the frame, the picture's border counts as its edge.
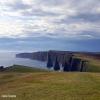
(51, 18)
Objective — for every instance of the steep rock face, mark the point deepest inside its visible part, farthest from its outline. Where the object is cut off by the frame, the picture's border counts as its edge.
(24, 55)
(69, 61)
(43, 55)
(61, 55)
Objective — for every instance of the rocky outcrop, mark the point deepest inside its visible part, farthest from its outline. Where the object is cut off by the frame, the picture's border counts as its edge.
(66, 60)
(2, 68)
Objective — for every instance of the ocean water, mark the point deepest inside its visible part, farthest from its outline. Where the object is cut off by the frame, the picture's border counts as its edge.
(9, 59)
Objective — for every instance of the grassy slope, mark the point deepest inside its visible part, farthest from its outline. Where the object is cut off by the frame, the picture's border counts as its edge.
(35, 84)
(23, 69)
(51, 86)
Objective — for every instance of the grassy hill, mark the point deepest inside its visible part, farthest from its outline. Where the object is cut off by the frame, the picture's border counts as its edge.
(23, 69)
(42, 85)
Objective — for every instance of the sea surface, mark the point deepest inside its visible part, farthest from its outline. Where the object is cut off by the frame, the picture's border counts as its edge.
(9, 58)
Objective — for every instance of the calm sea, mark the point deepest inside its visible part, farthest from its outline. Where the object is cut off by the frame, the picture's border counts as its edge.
(9, 59)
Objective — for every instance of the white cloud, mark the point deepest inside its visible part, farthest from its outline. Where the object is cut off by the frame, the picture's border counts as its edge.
(11, 29)
(53, 18)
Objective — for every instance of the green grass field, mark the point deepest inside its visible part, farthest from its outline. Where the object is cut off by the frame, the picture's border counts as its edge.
(42, 85)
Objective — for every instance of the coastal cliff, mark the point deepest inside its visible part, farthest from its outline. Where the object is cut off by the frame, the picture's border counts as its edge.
(42, 55)
(68, 60)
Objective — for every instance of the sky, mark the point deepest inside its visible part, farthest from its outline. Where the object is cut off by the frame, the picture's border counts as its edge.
(35, 25)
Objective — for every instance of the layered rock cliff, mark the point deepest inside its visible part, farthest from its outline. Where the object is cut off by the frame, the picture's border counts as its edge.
(42, 55)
